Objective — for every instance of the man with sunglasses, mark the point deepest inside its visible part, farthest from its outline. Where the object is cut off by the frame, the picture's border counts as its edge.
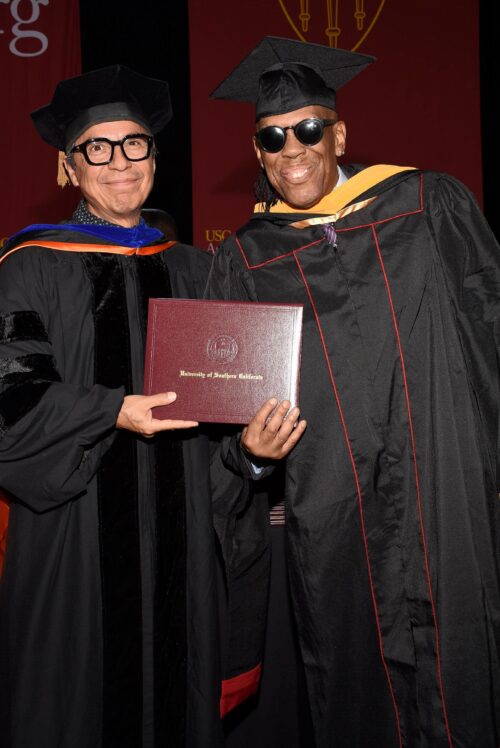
(103, 642)
(384, 602)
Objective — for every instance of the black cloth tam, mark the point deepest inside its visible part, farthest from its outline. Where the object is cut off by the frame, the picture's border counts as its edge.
(281, 75)
(106, 95)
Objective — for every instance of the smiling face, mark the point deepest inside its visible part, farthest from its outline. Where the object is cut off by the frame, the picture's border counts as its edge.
(115, 191)
(303, 174)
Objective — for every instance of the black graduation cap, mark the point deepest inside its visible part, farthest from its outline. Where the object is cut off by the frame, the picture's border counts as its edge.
(281, 75)
(106, 95)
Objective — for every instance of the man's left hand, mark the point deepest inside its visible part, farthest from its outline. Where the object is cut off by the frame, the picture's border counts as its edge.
(272, 437)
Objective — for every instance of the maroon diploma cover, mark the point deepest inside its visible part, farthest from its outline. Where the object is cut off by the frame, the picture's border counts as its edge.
(224, 359)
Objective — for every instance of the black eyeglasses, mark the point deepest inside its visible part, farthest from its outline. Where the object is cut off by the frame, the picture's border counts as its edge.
(308, 132)
(99, 151)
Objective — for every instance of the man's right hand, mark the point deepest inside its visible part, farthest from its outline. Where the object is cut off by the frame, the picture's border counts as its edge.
(136, 415)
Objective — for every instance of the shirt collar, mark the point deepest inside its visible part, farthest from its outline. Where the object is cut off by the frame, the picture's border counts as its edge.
(342, 177)
(83, 215)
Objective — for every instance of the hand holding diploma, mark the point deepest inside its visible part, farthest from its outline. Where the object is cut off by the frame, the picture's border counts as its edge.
(136, 415)
(272, 437)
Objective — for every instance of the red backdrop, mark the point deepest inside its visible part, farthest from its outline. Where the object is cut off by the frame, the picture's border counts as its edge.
(39, 45)
(417, 105)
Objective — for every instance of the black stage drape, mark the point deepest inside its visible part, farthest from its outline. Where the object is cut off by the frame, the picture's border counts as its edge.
(490, 112)
(152, 37)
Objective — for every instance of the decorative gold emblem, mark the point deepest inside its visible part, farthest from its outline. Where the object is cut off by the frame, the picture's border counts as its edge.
(223, 349)
(348, 22)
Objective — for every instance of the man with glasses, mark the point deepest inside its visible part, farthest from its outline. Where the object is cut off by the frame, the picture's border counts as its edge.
(384, 604)
(102, 642)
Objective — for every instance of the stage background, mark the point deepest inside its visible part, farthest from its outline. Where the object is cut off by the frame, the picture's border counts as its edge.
(418, 105)
(39, 45)
(154, 41)
(418, 122)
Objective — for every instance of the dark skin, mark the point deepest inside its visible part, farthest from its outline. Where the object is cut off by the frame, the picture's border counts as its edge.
(271, 436)
(303, 174)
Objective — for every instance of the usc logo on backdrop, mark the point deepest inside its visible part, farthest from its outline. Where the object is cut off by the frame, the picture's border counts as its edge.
(214, 237)
(26, 42)
(327, 22)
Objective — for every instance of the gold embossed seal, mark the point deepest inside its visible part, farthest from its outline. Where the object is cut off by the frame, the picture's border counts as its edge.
(222, 349)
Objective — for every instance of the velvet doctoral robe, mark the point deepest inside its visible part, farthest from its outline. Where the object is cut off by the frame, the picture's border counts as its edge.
(107, 622)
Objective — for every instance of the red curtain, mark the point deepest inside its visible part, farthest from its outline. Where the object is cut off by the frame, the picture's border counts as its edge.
(39, 45)
(417, 105)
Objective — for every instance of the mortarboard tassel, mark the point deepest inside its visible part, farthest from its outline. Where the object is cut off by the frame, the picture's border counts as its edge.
(62, 177)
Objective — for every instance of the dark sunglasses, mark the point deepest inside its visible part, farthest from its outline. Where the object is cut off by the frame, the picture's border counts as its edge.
(308, 132)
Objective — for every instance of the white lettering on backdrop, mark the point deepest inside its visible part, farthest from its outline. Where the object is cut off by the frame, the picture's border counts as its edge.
(26, 41)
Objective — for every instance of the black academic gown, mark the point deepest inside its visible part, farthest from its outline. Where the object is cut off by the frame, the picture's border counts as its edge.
(103, 642)
(391, 496)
